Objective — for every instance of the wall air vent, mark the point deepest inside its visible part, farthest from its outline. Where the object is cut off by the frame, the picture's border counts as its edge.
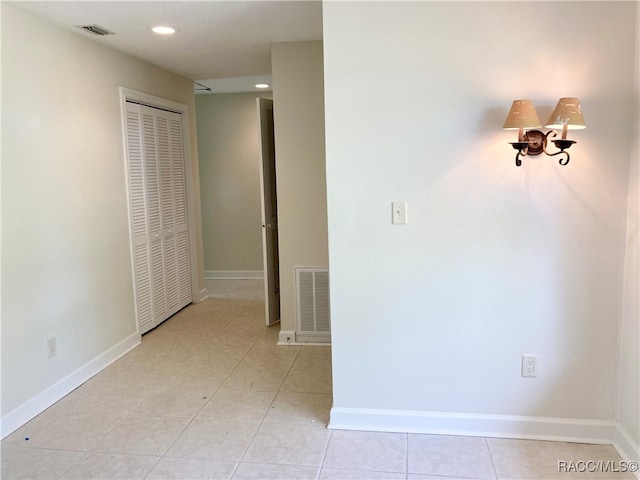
(96, 29)
(312, 296)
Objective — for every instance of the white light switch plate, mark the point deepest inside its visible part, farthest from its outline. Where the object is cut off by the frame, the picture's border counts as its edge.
(399, 212)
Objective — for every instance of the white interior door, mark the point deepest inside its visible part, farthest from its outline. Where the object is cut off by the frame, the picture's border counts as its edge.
(157, 197)
(269, 212)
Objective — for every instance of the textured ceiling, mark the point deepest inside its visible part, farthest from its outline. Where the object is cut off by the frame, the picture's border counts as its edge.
(214, 39)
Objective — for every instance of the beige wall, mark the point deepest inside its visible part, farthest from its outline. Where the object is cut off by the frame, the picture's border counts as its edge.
(66, 265)
(298, 102)
(229, 157)
(496, 261)
(629, 393)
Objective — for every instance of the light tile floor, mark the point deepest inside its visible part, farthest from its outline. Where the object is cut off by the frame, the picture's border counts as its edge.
(209, 395)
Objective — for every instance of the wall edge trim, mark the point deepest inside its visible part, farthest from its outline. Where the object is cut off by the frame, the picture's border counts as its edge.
(287, 337)
(43, 400)
(626, 446)
(203, 295)
(233, 275)
(474, 425)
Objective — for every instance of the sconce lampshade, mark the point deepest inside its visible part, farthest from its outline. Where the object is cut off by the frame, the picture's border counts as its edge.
(522, 115)
(567, 112)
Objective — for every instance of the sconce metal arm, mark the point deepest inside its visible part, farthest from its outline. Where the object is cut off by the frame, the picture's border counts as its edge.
(521, 148)
(535, 143)
(562, 144)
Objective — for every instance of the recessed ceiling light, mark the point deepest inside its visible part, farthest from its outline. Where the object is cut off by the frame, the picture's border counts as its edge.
(262, 85)
(163, 30)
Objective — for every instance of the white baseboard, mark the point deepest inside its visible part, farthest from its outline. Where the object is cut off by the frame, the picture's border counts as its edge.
(288, 337)
(475, 425)
(36, 405)
(203, 295)
(233, 275)
(626, 447)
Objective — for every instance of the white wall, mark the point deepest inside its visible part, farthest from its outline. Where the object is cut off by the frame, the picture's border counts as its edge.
(66, 266)
(229, 156)
(298, 110)
(496, 261)
(629, 390)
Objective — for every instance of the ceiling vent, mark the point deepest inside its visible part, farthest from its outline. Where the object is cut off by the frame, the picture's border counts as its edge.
(96, 29)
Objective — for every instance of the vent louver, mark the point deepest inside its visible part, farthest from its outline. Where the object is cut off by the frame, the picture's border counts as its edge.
(96, 29)
(312, 291)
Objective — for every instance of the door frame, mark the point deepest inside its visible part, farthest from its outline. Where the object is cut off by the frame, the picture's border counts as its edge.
(267, 246)
(127, 94)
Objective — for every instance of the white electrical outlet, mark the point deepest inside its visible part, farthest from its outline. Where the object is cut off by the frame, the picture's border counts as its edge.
(399, 213)
(529, 366)
(52, 347)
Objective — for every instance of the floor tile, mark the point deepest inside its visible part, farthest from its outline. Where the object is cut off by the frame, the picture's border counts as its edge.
(32, 427)
(174, 402)
(110, 466)
(288, 444)
(238, 405)
(141, 435)
(139, 377)
(256, 310)
(308, 380)
(585, 452)
(225, 337)
(256, 377)
(215, 355)
(214, 320)
(79, 431)
(36, 463)
(268, 344)
(450, 455)
(247, 323)
(161, 363)
(272, 338)
(272, 356)
(314, 357)
(195, 379)
(110, 399)
(264, 471)
(109, 373)
(375, 451)
(191, 469)
(304, 408)
(530, 459)
(417, 476)
(341, 474)
(215, 439)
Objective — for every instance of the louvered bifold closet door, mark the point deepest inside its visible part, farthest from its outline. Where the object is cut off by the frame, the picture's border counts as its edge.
(168, 223)
(180, 211)
(138, 205)
(152, 180)
(165, 221)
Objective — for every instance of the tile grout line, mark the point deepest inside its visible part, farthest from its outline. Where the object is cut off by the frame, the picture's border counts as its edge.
(406, 460)
(131, 413)
(493, 463)
(190, 422)
(270, 404)
(237, 463)
(243, 310)
(324, 455)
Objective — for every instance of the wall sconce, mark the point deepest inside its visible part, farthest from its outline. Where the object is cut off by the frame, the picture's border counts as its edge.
(566, 116)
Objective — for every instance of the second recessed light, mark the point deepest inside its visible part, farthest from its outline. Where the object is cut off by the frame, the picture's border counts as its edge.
(163, 30)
